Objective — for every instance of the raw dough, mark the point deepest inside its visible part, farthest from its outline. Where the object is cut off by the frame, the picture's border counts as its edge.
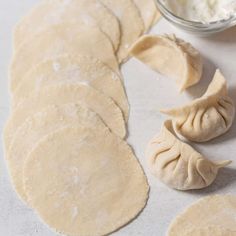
(170, 56)
(207, 117)
(177, 164)
(37, 126)
(61, 94)
(157, 18)
(53, 12)
(211, 231)
(72, 69)
(131, 23)
(149, 12)
(217, 211)
(85, 181)
(72, 39)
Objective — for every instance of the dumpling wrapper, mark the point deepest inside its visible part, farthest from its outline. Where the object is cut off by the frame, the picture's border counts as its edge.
(149, 12)
(85, 181)
(131, 24)
(36, 127)
(171, 57)
(57, 40)
(177, 164)
(73, 69)
(207, 117)
(60, 94)
(212, 214)
(48, 13)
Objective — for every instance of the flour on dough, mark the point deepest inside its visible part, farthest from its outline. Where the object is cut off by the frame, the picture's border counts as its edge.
(109, 112)
(37, 126)
(85, 181)
(73, 69)
(54, 12)
(72, 39)
(131, 24)
(216, 211)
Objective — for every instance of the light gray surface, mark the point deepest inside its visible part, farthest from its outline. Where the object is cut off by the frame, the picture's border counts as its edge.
(147, 93)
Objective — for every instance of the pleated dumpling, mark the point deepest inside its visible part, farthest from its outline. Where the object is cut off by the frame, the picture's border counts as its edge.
(177, 164)
(207, 117)
(171, 57)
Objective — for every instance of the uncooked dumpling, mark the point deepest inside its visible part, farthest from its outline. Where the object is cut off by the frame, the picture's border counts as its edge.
(149, 12)
(54, 12)
(170, 56)
(73, 69)
(207, 117)
(177, 164)
(62, 94)
(72, 39)
(91, 187)
(131, 24)
(214, 214)
(36, 127)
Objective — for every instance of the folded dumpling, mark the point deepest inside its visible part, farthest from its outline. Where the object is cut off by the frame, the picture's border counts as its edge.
(177, 164)
(170, 56)
(207, 117)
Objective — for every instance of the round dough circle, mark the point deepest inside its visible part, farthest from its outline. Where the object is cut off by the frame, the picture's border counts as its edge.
(131, 24)
(67, 93)
(92, 186)
(72, 69)
(37, 126)
(212, 211)
(59, 40)
(48, 13)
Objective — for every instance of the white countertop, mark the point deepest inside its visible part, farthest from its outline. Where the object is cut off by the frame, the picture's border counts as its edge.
(147, 92)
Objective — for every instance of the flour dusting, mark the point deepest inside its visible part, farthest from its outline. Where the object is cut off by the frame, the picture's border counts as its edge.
(56, 66)
(74, 212)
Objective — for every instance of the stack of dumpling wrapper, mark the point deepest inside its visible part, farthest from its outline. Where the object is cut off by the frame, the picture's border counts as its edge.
(64, 138)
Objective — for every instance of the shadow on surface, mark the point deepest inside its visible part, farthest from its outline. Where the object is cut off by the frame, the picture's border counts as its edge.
(199, 89)
(225, 177)
(227, 36)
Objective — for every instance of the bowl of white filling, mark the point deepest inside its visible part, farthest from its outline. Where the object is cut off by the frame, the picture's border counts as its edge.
(202, 17)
